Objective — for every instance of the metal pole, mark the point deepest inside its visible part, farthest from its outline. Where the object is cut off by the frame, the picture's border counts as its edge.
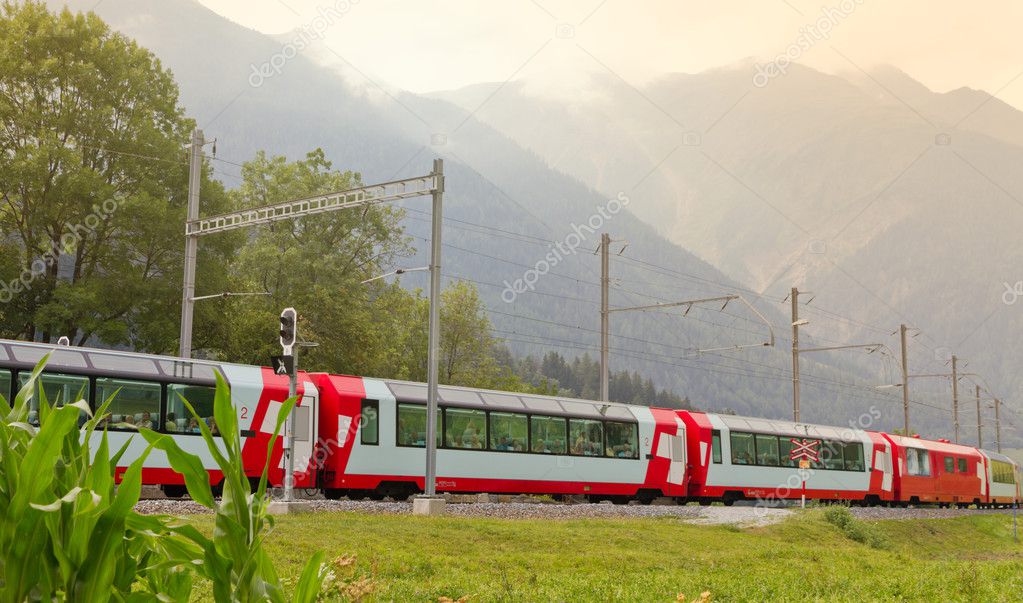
(905, 382)
(430, 486)
(289, 430)
(955, 397)
(795, 354)
(980, 430)
(191, 244)
(998, 426)
(605, 282)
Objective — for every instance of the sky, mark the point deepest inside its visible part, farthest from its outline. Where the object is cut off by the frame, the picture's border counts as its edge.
(435, 45)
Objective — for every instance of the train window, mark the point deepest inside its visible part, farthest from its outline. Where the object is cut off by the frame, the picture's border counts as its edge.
(1002, 472)
(412, 425)
(743, 452)
(133, 404)
(548, 435)
(369, 419)
(59, 389)
(715, 447)
(587, 437)
(950, 465)
(5, 386)
(853, 454)
(785, 452)
(831, 455)
(962, 465)
(509, 432)
(767, 450)
(622, 440)
(178, 416)
(918, 462)
(465, 428)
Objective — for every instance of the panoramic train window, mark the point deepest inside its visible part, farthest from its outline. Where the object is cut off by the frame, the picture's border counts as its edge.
(918, 462)
(548, 435)
(370, 415)
(412, 425)
(587, 437)
(201, 399)
(59, 389)
(831, 455)
(623, 440)
(465, 428)
(1001, 472)
(785, 452)
(134, 404)
(509, 432)
(767, 450)
(5, 385)
(743, 452)
(853, 453)
(962, 465)
(950, 465)
(715, 447)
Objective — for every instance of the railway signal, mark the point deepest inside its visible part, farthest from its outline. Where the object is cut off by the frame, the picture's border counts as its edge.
(288, 364)
(289, 330)
(804, 451)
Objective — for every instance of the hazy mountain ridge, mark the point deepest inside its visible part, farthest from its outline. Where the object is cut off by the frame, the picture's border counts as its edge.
(494, 182)
(831, 184)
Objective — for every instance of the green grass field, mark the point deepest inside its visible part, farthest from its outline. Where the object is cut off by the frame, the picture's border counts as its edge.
(804, 558)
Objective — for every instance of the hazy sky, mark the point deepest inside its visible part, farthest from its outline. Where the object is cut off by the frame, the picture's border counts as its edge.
(442, 44)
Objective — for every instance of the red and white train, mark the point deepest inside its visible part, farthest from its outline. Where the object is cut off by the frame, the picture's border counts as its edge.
(360, 437)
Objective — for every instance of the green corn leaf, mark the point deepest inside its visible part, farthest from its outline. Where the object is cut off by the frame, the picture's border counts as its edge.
(309, 583)
(197, 480)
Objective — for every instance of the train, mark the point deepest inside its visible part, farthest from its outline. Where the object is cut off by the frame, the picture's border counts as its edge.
(361, 437)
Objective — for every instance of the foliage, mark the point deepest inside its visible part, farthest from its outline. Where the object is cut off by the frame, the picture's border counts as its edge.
(92, 182)
(234, 560)
(854, 529)
(68, 533)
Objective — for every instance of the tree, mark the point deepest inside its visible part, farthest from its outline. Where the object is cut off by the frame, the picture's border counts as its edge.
(92, 183)
(316, 264)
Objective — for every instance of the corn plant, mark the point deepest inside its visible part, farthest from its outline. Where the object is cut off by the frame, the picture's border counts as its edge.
(234, 559)
(69, 533)
(66, 531)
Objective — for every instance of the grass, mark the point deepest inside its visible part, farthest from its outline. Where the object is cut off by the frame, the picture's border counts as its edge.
(803, 558)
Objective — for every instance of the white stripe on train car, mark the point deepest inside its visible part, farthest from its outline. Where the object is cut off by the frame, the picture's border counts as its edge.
(387, 458)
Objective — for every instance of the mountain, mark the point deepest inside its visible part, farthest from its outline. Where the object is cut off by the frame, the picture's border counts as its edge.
(891, 202)
(506, 211)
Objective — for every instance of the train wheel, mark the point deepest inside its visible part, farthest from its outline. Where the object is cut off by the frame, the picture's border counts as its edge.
(357, 494)
(174, 490)
(333, 493)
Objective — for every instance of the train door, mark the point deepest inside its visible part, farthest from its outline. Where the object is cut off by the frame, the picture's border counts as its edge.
(883, 463)
(674, 447)
(305, 417)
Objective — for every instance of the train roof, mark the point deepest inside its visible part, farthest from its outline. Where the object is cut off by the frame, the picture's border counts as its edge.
(997, 456)
(511, 401)
(96, 361)
(935, 445)
(773, 426)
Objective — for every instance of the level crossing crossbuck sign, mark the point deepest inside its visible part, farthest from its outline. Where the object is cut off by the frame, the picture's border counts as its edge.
(804, 450)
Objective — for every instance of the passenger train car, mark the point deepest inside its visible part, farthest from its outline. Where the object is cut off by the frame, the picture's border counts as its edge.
(360, 437)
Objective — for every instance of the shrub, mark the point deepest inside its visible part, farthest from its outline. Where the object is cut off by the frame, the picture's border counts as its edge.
(854, 529)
